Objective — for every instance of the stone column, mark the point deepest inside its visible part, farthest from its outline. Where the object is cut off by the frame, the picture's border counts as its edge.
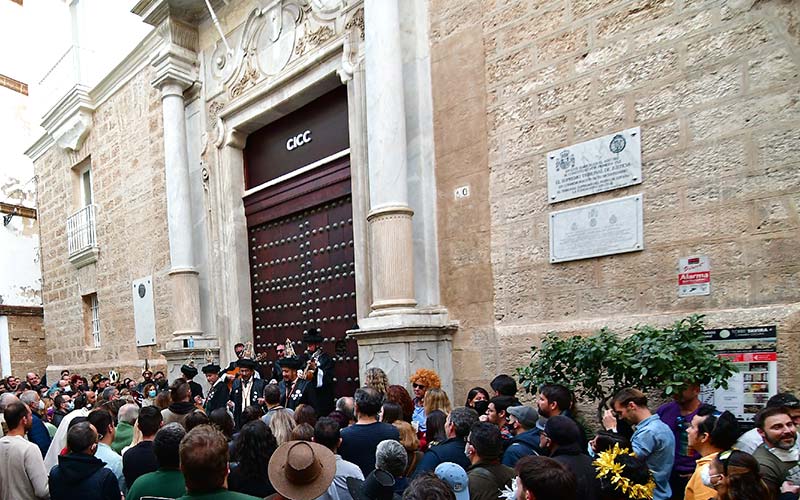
(175, 72)
(390, 216)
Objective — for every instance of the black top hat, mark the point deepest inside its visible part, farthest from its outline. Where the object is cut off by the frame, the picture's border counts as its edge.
(293, 363)
(379, 485)
(312, 336)
(189, 371)
(212, 368)
(246, 363)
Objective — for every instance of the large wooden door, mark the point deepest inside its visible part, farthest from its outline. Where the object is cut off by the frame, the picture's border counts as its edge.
(302, 266)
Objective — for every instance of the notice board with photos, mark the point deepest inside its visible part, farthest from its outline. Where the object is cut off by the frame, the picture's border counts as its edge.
(753, 352)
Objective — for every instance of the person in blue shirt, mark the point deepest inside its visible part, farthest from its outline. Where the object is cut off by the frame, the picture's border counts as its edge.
(38, 434)
(652, 440)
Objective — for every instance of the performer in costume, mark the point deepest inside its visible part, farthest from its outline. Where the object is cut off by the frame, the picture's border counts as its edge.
(246, 390)
(189, 372)
(319, 372)
(276, 375)
(294, 389)
(218, 393)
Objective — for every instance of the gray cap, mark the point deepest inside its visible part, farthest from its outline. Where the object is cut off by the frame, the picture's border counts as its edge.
(526, 415)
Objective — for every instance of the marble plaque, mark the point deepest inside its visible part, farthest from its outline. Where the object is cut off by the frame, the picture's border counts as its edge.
(604, 228)
(144, 318)
(594, 166)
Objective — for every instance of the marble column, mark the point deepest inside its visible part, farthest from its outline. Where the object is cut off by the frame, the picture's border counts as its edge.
(390, 228)
(176, 72)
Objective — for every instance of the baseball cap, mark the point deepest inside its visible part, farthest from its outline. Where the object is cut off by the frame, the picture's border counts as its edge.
(526, 415)
(455, 477)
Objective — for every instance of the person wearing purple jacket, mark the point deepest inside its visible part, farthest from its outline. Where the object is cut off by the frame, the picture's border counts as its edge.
(678, 415)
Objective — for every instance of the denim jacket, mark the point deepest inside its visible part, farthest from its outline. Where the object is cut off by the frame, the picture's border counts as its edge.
(654, 442)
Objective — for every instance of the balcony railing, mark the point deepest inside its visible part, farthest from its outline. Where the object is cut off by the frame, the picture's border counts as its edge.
(81, 236)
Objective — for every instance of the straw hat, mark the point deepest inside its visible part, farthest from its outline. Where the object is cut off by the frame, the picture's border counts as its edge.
(302, 470)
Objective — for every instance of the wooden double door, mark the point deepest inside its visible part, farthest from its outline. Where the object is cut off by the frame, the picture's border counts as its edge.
(302, 266)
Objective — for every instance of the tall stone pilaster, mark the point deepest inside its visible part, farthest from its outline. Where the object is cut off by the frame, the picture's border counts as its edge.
(398, 335)
(176, 71)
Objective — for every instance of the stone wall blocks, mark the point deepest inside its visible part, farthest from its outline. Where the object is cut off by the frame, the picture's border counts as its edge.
(660, 137)
(702, 163)
(608, 301)
(533, 26)
(776, 286)
(676, 29)
(775, 69)
(598, 119)
(567, 43)
(638, 71)
(649, 266)
(779, 147)
(775, 215)
(751, 113)
(453, 17)
(632, 16)
(566, 95)
(510, 65)
(708, 224)
(500, 17)
(728, 42)
(529, 82)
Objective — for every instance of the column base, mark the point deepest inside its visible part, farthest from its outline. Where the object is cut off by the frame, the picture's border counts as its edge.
(402, 343)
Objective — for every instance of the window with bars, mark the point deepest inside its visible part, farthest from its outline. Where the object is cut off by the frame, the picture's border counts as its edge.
(91, 320)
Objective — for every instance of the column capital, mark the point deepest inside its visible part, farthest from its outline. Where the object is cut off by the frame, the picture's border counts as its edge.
(176, 69)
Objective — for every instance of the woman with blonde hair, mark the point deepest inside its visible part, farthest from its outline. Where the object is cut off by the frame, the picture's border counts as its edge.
(377, 379)
(422, 381)
(282, 424)
(436, 399)
(409, 440)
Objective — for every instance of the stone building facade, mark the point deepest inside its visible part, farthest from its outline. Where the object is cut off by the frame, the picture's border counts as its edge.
(21, 336)
(441, 96)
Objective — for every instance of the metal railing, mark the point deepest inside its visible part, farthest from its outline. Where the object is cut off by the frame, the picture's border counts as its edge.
(81, 233)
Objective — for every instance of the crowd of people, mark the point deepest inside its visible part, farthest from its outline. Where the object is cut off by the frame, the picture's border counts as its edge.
(283, 435)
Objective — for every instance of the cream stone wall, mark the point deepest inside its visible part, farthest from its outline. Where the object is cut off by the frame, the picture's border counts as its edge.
(714, 87)
(126, 150)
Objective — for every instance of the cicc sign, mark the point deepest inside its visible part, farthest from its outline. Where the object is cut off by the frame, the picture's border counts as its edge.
(298, 140)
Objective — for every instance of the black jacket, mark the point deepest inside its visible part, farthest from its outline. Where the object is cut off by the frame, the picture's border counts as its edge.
(82, 477)
(301, 394)
(218, 396)
(580, 464)
(256, 391)
(322, 397)
(522, 445)
(451, 450)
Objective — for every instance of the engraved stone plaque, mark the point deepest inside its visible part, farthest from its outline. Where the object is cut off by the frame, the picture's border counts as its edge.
(144, 318)
(603, 164)
(597, 229)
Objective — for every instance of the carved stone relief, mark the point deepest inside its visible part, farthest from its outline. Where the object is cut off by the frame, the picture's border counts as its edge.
(278, 37)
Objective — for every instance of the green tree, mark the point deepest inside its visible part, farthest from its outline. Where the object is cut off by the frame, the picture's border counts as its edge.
(650, 359)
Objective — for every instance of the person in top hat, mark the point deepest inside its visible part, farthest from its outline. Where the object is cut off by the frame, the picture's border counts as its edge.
(190, 372)
(294, 390)
(218, 393)
(301, 470)
(246, 390)
(319, 372)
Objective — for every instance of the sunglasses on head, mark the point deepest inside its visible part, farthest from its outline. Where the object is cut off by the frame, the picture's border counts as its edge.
(723, 458)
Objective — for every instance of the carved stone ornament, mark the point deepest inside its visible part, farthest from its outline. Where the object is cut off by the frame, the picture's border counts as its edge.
(357, 21)
(272, 38)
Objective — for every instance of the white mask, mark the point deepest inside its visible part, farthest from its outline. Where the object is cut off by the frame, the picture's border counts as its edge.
(705, 476)
(590, 450)
(41, 405)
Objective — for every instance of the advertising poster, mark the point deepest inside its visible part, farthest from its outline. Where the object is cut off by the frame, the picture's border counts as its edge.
(753, 352)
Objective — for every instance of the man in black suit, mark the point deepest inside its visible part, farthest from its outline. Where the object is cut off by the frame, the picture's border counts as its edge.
(218, 393)
(319, 373)
(294, 390)
(246, 390)
(190, 372)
